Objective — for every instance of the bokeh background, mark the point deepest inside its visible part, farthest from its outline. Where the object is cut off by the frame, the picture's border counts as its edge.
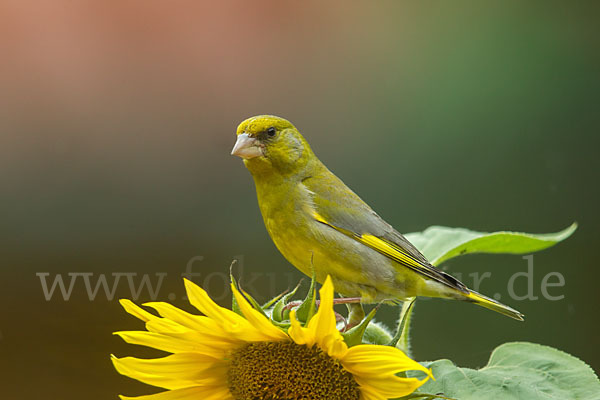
(117, 119)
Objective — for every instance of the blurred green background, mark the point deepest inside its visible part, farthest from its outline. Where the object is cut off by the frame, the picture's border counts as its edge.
(117, 120)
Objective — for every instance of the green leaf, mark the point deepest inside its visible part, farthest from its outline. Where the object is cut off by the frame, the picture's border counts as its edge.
(274, 300)
(279, 313)
(424, 396)
(377, 333)
(440, 243)
(235, 307)
(253, 303)
(308, 308)
(401, 339)
(517, 371)
(355, 335)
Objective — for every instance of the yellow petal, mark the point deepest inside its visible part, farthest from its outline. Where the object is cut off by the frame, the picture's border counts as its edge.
(200, 299)
(374, 367)
(299, 334)
(218, 330)
(334, 346)
(368, 393)
(190, 321)
(171, 344)
(163, 325)
(323, 322)
(390, 386)
(155, 323)
(176, 371)
(136, 311)
(203, 339)
(322, 326)
(219, 392)
(376, 360)
(258, 321)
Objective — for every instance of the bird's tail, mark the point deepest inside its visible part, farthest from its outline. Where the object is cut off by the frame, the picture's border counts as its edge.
(492, 304)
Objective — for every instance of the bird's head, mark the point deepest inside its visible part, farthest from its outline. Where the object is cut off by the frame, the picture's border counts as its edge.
(270, 143)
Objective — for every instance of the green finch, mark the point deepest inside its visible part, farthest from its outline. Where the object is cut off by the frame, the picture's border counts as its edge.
(323, 228)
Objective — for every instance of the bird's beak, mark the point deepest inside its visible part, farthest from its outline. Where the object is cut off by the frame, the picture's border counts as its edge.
(247, 147)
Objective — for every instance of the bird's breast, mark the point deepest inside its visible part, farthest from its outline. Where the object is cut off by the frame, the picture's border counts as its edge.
(309, 245)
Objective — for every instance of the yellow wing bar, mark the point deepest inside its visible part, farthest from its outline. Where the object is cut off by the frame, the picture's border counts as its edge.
(388, 249)
(398, 254)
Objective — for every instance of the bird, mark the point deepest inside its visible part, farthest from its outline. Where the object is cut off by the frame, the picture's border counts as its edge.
(323, 228)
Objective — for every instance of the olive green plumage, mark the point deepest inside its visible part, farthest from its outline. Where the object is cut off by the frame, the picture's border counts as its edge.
(318, 223)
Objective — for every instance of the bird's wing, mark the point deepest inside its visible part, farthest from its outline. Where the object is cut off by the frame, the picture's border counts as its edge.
(337, 206)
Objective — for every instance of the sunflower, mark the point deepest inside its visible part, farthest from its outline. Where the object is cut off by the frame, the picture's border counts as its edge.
(222, 355)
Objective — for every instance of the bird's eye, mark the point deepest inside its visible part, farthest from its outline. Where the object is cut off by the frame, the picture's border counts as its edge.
(271, 131)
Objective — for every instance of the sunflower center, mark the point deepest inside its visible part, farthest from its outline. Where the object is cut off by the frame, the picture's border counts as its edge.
(288, 371)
